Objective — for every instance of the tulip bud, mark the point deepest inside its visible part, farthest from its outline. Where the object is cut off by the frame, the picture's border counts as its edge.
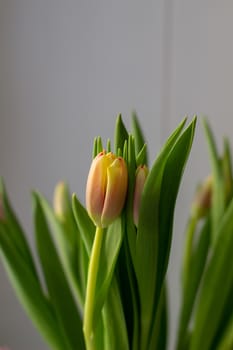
(141, 175)
(202, 200)
(61, 201)
(106, 188)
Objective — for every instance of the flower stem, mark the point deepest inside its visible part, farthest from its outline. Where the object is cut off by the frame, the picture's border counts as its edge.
(91, 287)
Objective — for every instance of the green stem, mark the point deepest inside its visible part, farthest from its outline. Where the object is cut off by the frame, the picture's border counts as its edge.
(91, 287)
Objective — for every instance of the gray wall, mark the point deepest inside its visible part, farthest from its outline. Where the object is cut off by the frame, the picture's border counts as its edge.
(68, 67)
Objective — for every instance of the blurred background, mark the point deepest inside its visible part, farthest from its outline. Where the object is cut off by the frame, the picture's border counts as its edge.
(67, 68)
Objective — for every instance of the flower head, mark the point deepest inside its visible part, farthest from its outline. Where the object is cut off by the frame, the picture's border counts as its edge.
(106, 188)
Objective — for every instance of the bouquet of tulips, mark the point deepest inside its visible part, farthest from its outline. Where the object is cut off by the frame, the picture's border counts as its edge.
(104, 265)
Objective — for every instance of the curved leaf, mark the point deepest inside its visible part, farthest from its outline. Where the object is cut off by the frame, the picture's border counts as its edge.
(29, 292)
(56, 282)
(216, 285)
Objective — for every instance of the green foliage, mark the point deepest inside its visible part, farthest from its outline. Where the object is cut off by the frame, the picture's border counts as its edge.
(128, 299)
(207, 306)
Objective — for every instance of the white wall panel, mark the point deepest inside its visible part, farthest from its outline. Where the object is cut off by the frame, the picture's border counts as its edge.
(201, 83)
(66, 69)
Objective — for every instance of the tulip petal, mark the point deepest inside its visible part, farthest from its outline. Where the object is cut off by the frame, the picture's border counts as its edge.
(95, 190)
(117, 179)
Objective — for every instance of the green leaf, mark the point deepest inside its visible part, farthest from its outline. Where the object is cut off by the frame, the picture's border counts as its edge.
(130, 229)
(193, 279)
(115, 331)
(172, 175)
(223, 337)
(15, 230)
(148, 235)
(226, 342)
(112, 240)
(216, 285)
(56, 282)
(120, 135)
(129, 294)
(217, 208)
(99, 145)
(142, 156)
(138, 137)
(159, 330)
(29, 292)
(84, 223)
(94, 148)
(108, 147)
(227, 170)
(71, 251)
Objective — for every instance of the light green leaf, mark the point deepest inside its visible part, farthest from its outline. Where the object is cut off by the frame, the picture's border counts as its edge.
(58, 288)
(216, 285)
(84, 223)
(198, 259)
(15, 230)
(112, 240)
(217, 208)
(115, 333)
(138, 137)
(142, 157)
(29, 292)
(71, 250)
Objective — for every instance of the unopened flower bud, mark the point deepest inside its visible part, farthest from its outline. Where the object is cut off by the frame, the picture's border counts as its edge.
(106, 188)
(61, 201)
(202, 200)
(140, 179)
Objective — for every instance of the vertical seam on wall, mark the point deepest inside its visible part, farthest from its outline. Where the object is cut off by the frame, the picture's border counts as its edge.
(166, 89)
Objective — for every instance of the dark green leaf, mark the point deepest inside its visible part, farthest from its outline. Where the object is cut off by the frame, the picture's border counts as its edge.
(147, 236)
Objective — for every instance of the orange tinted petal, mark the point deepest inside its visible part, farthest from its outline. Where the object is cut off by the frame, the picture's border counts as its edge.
(117, 180)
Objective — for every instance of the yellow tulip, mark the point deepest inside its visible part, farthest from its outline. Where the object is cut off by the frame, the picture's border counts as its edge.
(106, 188)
